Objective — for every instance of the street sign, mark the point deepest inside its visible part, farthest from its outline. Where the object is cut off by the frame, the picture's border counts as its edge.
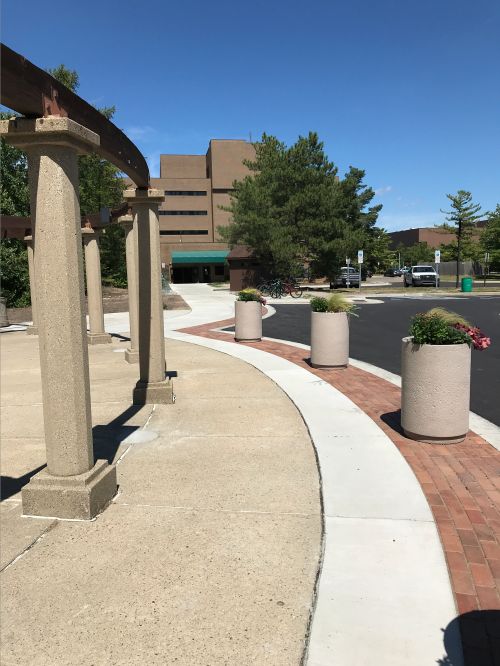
(347, 261)
(360, 256)
(437, 256)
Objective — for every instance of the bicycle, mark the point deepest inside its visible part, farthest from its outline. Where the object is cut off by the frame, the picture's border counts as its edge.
(292, 288)
(289, 286)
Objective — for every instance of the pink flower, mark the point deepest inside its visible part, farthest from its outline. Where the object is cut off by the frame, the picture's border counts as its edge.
(478, 338)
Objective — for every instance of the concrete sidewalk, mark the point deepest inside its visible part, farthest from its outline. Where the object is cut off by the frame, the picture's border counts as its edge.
(210, 551)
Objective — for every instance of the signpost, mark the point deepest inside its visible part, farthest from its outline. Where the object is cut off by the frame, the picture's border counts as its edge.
(437, 261)
(348, 263)
(360, 262)
(486, 263)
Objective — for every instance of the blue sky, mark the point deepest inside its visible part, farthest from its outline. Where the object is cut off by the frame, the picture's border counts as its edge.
(408, 91)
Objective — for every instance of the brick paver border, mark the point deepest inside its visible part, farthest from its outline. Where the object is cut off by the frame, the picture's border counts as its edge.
(460, 481)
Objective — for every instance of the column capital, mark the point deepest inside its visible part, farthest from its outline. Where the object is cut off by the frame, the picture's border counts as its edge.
(126, 220)
(26, 133)
(88, 233)
(143, 196)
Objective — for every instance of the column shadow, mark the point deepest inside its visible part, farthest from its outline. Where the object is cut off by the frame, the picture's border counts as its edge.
(107, 438)
(106, 442)
(10, 485)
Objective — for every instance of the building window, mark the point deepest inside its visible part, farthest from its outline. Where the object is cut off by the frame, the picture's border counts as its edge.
(182, 212)
(184, 232)
(221, 190)
(186, 193)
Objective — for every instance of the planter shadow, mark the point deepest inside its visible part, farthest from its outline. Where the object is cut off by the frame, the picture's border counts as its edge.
(480, 634)
(393, 420)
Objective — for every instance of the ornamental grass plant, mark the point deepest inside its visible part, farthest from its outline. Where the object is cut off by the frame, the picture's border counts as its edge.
(335, 303)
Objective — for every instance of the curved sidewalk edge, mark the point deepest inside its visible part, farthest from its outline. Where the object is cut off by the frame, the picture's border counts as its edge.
(384, 593)
(481, 426)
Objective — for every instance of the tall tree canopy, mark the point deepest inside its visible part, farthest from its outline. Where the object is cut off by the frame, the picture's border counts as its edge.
(293, 204)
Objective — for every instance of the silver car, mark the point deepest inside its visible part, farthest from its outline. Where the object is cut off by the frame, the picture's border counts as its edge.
(340, 280)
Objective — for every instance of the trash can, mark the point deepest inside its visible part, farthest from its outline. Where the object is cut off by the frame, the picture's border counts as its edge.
(467, 284)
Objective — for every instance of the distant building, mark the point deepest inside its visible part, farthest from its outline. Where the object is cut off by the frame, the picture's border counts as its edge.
(430, 235)
(195, 187)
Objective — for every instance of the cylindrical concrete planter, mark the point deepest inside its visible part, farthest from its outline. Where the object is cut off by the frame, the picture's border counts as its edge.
(329, 339)
(4, 321)
(248, 316)
(435, 392)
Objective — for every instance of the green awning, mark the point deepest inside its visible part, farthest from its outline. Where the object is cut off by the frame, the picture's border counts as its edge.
(200, 257)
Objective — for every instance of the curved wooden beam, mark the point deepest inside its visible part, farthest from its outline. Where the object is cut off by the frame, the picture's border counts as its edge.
(34, 93)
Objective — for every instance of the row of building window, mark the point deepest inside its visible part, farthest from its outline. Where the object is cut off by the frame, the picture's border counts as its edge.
(196, 193)
(186, 193)
(184, 232)
(182, 212)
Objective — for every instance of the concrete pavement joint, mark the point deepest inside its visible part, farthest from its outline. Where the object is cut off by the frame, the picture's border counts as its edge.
(32, 544)
(206, 509)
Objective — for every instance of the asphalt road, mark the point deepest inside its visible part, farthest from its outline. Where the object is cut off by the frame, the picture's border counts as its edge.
(376, 338)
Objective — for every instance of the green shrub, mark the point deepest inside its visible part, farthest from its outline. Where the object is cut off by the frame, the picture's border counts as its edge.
(14, 275)
(319, 304)
(437, 327)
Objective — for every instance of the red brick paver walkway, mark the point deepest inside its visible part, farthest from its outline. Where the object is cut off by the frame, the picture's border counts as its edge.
(461, 483)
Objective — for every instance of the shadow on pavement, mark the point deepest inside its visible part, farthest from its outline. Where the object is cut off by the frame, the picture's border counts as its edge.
(480, 632)
(393, 420)
(10, 485)
(107, 438)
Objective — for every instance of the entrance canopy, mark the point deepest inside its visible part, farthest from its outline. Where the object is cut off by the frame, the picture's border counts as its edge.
(200, 257)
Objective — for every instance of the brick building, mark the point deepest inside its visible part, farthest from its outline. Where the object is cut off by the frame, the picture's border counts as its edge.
(430, 235)
(196, 186)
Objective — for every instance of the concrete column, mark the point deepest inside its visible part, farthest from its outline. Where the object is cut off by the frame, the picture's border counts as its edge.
(30, 245)
(97, 334)
(71, 486)
(153, 386)
(132, 353)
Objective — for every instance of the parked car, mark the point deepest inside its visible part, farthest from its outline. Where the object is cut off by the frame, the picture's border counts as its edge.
(340, 280)
(393, 272)
(419, 276)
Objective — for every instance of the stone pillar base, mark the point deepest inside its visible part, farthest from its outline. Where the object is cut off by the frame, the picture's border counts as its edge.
(98, 338)
(81, 497)
(132, 355)
(32, 330)
(153, 393)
